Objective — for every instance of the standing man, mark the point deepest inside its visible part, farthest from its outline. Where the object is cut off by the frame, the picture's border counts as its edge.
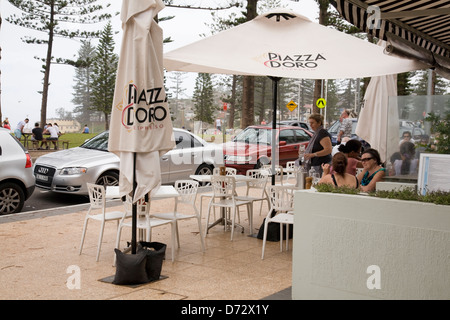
(19, 129)
(345, 130)
(219, 125)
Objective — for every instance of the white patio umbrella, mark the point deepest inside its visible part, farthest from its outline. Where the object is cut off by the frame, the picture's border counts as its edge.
(378, 119)
(285, 44)
(140, 127)
(282, 43)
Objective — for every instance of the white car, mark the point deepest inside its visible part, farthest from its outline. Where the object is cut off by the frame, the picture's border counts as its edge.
(68, 171)
(16, 174)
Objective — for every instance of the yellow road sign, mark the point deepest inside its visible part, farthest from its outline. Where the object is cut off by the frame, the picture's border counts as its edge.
(291, 106)
(321, 103)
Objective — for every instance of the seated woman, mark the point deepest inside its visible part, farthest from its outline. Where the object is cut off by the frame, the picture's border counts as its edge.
(352, 149)
(339, 177)
(407, 164)
(372, 172)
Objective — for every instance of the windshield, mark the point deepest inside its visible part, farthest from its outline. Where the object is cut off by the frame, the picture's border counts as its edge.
(255, 136)
(335, 127)
(99, 142)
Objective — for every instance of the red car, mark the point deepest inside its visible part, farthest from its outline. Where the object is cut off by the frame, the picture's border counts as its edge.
(252, 147)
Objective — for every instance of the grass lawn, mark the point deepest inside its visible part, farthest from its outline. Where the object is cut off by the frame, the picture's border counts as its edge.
(76, 139)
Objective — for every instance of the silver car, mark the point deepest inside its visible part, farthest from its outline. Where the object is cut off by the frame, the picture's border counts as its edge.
(68, 171)
(16, 174)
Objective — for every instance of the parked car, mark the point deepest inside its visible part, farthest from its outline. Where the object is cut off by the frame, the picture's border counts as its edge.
(294, 123)
(416, 133)
(16, 174)
(68, 171)
(252, 147)
(334, 130)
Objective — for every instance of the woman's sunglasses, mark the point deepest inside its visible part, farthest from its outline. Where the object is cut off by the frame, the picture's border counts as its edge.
(366, 159)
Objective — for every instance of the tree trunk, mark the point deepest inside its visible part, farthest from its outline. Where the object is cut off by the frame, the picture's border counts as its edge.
(232, 107)
(248, 99)
(248, 102)
(47, 67)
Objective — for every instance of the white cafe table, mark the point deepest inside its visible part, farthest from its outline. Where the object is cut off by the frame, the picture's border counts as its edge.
(207, 177)
(222, 220)
(163, 192)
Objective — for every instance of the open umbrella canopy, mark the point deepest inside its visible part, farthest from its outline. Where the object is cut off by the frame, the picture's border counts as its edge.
(285, 44)
(140, 127)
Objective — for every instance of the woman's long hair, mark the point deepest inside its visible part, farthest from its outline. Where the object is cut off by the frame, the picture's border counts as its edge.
(351, 145)
(339, 163)
(407, 152)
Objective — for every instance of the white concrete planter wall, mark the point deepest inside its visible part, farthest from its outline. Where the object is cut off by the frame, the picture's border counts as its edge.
(346, 246)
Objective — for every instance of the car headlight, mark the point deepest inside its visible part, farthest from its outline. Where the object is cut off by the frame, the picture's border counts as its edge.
(239, 158)
(73, 170)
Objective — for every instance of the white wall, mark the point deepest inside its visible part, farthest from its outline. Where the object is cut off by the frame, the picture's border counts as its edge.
(338, 237)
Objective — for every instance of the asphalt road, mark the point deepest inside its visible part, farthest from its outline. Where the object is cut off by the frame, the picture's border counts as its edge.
(42, 199)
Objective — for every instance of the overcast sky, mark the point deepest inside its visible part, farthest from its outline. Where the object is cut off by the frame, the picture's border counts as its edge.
(21, 76)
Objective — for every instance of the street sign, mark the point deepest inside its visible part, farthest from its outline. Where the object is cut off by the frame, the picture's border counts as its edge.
(291, 106)
(321, 103)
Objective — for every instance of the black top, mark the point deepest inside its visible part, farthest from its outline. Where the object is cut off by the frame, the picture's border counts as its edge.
(37, 133)
(317, 161)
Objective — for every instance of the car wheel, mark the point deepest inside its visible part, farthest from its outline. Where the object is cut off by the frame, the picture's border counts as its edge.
(204, 169)
(12, 198)
(109, 178)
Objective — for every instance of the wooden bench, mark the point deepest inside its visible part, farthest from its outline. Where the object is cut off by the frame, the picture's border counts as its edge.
(61, 144)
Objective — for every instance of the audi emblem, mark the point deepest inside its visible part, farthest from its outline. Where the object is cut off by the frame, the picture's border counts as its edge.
(43, 170)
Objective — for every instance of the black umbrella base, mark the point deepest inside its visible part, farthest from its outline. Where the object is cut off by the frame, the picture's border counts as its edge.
(141, 267)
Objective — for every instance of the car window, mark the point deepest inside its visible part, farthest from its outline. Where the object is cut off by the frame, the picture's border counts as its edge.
(302, 136)
(184, 140)
(99, 142)
(287, 135)
(255, 136)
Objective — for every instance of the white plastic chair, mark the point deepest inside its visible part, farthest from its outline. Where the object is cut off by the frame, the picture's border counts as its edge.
(98, 202)
(228, 171)
(279, 173)
(281, 207)
(144, 221)
(259, 184)
(216, 171)
(224, 189)
(188, 193)
(290, 170)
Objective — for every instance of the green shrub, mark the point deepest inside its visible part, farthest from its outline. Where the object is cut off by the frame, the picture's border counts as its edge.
(407, 194)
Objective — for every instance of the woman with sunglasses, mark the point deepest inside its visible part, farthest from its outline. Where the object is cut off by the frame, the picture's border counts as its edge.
(372, 172)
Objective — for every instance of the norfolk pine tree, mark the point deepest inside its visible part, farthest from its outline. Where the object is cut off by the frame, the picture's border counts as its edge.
(50, 17)
(104, 76)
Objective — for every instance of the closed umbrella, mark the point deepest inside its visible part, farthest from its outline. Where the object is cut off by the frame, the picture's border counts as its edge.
(378, 122)
(140, 128)
(284, 44)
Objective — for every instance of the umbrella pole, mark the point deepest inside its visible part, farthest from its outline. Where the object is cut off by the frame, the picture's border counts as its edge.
(134, 209)
(274, 124)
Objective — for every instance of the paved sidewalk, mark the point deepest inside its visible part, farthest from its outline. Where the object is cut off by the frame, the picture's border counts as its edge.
(38, 255)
